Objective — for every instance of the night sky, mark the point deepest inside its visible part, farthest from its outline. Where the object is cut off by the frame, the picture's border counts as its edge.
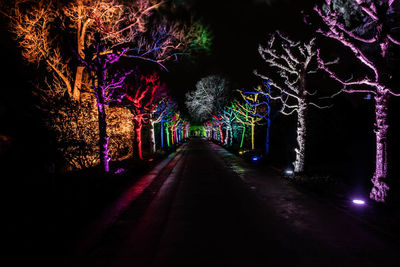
(238, 27)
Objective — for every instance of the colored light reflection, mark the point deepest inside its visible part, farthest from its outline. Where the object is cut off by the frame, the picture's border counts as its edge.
(254, 158)
(358, 202)
(288, 172)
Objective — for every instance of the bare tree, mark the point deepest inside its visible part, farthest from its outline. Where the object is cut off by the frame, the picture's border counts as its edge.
(156, 116)
(106, 86)
(210, 96)
(295, 62)
(369, 38)
(142, 98)
(247, 113)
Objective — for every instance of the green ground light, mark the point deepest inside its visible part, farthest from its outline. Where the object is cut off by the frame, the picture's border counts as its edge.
(197, 130)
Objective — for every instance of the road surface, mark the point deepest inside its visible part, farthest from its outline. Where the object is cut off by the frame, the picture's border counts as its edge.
(205, 207)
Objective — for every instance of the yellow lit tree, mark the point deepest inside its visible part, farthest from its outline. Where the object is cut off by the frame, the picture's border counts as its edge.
(247, 113)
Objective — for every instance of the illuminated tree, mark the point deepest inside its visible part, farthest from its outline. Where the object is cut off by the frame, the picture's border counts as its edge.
(229, 118)
(75, 129)
(174, 127)
(168, 122)
(295, 62)
(37, 26)
(208, 129)
(48, 30)
(210, 96)
(166, 118)
(264, 108)
(370, 35)
(219, 122)
(106, 86)
(141, 99)
(247, 113)
(156, 116)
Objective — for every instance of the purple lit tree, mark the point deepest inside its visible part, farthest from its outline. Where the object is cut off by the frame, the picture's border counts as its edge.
(370, 35)
(106, 86)
(295, 62)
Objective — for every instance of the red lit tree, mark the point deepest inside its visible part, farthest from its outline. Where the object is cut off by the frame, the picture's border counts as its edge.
(369, 33)
(219, 122)
(141, 99)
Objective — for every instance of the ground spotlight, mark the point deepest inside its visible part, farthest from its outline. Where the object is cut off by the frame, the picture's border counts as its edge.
(288, 173)
(358, 202)
(254, 158)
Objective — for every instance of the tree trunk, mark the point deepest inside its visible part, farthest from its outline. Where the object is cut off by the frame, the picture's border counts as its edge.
(173, 136)
(243, 133)
(252, 134)
(167, 137)
(230, 136)
(152, 138)
(380, 188)
(267, 137)
(162, 133)
(301, 137)
(103, 138)
(227, 135)
(221, 134)
(138, 138)
(76, 91)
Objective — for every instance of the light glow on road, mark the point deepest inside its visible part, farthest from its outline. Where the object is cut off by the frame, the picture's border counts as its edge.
(358, 202)
(288, 172)
(254, 158)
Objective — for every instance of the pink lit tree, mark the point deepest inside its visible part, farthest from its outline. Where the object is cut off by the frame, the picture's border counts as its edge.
(295, 62)
(370, 36)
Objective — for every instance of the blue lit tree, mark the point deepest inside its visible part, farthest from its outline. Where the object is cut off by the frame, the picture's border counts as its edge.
(264, 109)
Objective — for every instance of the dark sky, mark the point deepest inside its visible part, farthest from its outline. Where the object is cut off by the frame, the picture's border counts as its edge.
(238, 26)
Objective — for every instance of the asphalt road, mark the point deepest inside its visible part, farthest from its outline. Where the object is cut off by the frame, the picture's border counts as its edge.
(204, 208)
